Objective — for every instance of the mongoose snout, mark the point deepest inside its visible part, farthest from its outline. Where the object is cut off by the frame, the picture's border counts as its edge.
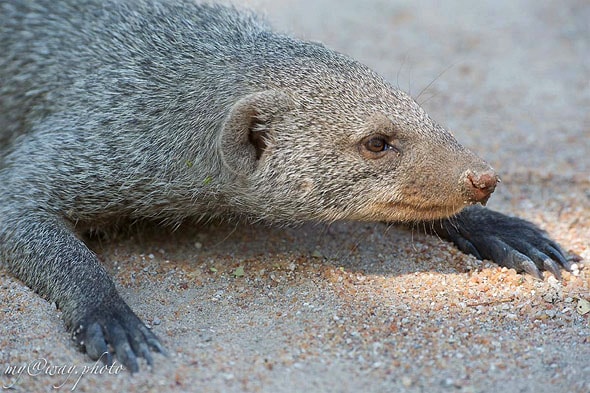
(479, 186)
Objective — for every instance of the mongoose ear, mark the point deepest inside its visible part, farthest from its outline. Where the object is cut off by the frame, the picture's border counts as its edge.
(248, 128)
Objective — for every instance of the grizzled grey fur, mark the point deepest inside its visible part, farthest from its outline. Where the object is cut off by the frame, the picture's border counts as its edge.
(168, 110)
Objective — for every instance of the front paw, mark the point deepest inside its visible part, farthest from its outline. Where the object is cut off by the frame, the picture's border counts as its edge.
(507, 241)
(111, 328)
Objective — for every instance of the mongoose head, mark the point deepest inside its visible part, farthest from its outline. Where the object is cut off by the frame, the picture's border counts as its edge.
(329, 139)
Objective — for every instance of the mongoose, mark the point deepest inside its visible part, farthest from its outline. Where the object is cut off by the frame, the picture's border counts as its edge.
(169, 110)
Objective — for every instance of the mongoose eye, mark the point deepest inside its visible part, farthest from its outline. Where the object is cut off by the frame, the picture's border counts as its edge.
(377, 144)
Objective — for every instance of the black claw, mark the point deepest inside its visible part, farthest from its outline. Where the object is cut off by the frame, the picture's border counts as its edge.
(144, 352)
(138, 343)
(555, 252)
(118, 338)
(156, 346)
(127, 357)
(552, 267)
(152, 340)
(108, 358)
(95, 343)
(544, 262)
(467, 247)
(530, 267)
(496, 250)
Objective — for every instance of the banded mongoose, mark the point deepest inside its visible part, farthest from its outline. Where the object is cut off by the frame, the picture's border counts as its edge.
(170, 110)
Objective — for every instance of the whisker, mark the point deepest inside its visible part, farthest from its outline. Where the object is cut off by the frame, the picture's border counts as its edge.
(399, 71)
(434, 80)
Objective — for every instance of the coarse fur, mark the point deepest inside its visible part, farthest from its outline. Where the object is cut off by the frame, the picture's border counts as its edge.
(170, 110)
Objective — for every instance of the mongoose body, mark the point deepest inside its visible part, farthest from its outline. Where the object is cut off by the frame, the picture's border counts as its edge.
(169, 110)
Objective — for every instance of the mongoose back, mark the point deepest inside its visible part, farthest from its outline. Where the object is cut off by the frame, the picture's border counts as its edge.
(169, 110)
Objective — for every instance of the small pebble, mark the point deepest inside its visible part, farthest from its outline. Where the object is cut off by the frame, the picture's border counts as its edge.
(407, 381)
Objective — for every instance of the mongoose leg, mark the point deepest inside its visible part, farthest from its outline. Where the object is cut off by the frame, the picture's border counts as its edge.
(508, 241)
(43, 252)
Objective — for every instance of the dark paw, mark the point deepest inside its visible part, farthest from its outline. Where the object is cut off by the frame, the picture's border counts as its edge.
(114, 328)
(507, 241)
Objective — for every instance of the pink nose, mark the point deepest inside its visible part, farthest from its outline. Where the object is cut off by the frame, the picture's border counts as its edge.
(479, 186)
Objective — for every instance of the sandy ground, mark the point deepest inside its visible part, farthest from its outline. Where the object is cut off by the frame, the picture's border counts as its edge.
(366, 307)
